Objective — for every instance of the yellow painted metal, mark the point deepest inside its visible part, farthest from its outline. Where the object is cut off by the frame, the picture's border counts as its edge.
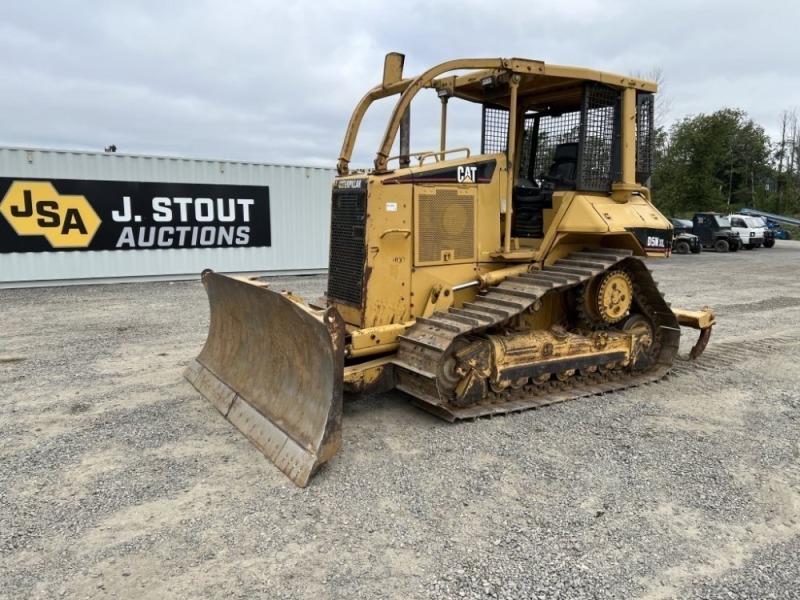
(393, 68)
(513, 84)
(495, 277)
(441, 299)
(432, 240)
(398, 280)
(376, 93)
(549, 310)
(375, 340)
(373, 375)
(628, 137)
(704, 320)
(443, 126)
(387, 283)
(511, 353)
(423, 80)
(614, 296)
(532, 73)
(695, 319)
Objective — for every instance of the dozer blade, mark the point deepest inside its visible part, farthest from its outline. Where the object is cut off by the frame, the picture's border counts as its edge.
(274, 369)
(697, 319)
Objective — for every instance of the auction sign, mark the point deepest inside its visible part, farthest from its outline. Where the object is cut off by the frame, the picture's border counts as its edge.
(73, 214)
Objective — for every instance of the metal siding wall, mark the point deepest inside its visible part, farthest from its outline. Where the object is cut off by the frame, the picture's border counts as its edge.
(299, 207)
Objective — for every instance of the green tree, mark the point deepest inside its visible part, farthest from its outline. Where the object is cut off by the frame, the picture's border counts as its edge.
(715, 162)
(784, 195)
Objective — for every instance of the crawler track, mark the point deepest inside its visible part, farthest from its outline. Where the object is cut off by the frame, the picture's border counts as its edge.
(426, 344)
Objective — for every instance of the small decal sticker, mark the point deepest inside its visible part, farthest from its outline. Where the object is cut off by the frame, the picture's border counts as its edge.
(391, 207)
(466, 174)
(350, 184)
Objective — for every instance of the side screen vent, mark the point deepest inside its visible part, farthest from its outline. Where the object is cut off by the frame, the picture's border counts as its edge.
(495, 130)
(645, 140)
(599, 159)
(445, 226)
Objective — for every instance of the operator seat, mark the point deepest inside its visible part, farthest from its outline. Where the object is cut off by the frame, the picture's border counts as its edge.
(530, 201)
(565, 165)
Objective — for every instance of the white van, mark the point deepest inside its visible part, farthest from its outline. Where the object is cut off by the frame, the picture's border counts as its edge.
(749, 229)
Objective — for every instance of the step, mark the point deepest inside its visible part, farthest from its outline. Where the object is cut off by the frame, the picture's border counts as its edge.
(442, 324)
(497, 297)
(490, 309)
(481, 318)
(413, 369)
(571, 262)
(609, 252)
(526, 294)
(454, 315)
(581, 273)
(558, 277)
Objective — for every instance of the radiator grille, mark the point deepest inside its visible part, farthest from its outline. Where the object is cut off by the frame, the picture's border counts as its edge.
(348, 250)
(446, 225)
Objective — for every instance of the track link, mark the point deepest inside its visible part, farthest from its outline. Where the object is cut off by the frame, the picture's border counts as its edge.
(423, 348)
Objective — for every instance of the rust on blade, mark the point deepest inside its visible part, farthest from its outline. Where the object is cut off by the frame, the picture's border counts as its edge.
(274, 369)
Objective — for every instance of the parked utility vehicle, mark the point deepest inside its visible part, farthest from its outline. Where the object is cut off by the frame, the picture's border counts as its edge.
(681, 225)
(749, 229)
(773, 222)
(770, 232)
(683, 243)
(714, 231)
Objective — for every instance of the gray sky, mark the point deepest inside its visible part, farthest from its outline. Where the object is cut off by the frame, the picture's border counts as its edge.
(276, 81)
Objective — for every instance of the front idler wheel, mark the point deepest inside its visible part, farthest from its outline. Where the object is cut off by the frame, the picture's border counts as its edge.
(643, 347)
(457, 379)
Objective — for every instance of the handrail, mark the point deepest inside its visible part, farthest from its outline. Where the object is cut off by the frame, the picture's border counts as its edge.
(404, 232)
(421, 156)
(377, 93)
(415, 86)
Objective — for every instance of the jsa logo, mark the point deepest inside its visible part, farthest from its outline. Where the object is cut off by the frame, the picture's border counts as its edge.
(36, 208)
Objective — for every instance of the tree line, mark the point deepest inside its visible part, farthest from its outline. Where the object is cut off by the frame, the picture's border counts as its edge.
(724, 161)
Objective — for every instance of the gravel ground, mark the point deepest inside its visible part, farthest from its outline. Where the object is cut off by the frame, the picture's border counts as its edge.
(118, 480)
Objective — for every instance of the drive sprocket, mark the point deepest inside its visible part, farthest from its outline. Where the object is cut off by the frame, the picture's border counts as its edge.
(607, 298)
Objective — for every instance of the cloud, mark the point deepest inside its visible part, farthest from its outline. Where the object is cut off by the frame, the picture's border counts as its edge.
(276, 81)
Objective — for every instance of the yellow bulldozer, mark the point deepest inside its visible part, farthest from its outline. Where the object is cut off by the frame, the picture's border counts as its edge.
(479, 281)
